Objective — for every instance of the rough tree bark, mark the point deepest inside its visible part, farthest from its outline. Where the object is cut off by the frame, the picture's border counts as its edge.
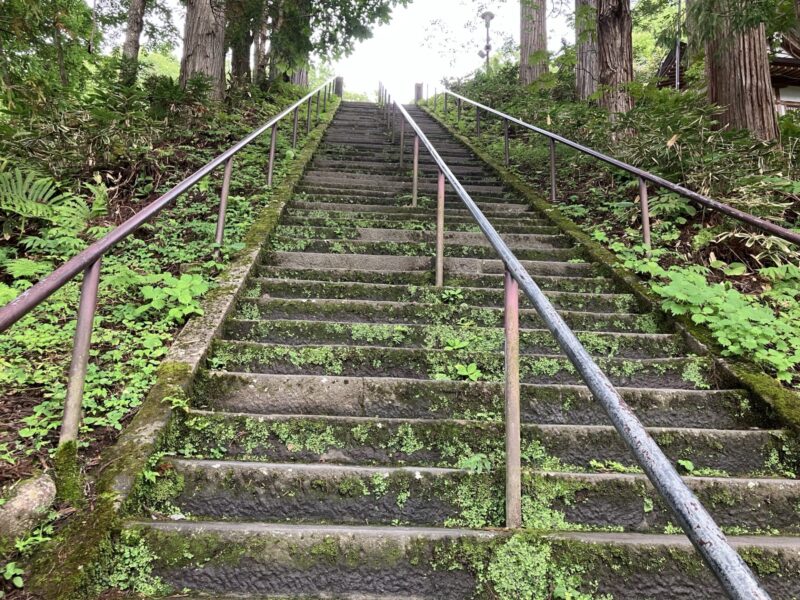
(533, 40)
(587, 67)
(615, 53)
(737, 72)
(260, 60)
(204, 44)
(133, 36)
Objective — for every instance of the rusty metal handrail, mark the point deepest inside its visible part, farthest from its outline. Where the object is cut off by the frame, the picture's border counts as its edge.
(88, 261)
(732, 572)
(644, 176)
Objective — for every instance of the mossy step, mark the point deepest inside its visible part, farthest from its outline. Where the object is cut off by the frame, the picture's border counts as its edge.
(362, 202)
(341, 494)
(452, 265)
(381, 181)
(306, 560)
(473, 296)
(349, 562)
(598, 285)
(355, 232)
(371, 166)
(402, 313)
(403, 208)
(423, 363)
(448, 442)
(765, 506)
(421, 225)
(631, 566)
(343, 246)
(412, 398)
(532, 341)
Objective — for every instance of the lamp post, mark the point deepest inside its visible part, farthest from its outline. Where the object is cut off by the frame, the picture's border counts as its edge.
(487, 49)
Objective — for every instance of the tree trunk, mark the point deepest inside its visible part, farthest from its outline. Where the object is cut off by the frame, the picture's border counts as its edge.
(300, 77)
(62, 69)
(737, 72)
(587, 68)
(204, 44)
(133, 36)
(240, 60)
(260, 60)
(615, 54)
(533, 40)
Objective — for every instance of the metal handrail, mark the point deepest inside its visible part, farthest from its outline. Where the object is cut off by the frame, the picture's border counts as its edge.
(644, 176)
(732, 572)
(88, 261)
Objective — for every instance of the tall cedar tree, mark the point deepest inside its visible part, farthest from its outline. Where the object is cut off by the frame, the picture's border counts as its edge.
(737, 64)
(533, 40)
(615, 53)
(586, 68)
(204, 44)
(133, 36)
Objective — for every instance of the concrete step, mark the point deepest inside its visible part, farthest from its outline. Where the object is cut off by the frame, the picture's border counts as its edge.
(302, 561)
(452, 266)
(343, 246)
(400, 235)
(448, 442)
(359, 495)
(299, 332)
(419, 223)
(404, 210)
(423, 363)
(402, 313)
(311, 289)
(598, 285)
(386, 397)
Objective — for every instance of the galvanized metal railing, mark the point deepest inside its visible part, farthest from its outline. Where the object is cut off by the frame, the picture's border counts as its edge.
(643, 176)
(88, 261)
(732, 572)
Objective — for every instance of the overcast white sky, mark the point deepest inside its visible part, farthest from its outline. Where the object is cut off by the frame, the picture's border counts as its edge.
(431, 39)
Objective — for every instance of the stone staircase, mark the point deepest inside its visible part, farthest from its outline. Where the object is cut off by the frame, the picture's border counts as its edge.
(338, 447)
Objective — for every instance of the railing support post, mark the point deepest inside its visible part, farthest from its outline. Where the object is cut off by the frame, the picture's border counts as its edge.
(512, 409)
(440, 231)
(325, 100)
(272, 142)
(318, 99)
(308, 117)
(552, 170)
(477, 121)
(458, 118)
(294, 127)
(391, 124)
(445, 103)
(80, 354)
(402, 141)
(415, 175)
(645, 203)
(506, 142)
(223, 204)
(435, 99)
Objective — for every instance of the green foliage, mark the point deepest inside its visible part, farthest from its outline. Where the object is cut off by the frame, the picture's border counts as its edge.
(703, 265)
(741, 325)
(71, 172)
(129, 568)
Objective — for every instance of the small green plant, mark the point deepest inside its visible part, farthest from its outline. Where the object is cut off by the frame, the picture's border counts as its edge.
(470, 371)
(13, 574)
